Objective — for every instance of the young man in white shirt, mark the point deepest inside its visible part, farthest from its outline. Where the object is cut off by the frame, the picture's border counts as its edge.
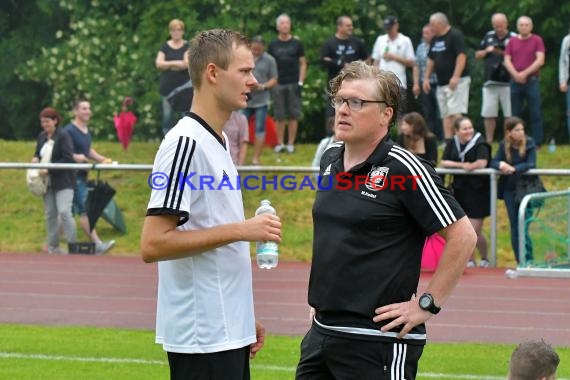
(394, 51)
(205, 319)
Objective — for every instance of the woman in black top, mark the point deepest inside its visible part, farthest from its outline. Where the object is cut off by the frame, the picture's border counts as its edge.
(172, 62)
(469, 151)
(61, 183)
(417, 138)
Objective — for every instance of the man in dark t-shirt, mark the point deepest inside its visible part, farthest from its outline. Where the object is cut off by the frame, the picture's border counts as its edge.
(375, 206)
(496, 88)
(447, 57)
(289, 54)
(83, 153)
(339, 50)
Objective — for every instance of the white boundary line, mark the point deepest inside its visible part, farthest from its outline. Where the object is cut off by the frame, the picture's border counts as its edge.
(15, 355)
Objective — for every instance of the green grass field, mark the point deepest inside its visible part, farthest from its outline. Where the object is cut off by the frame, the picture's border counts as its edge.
(70, 353)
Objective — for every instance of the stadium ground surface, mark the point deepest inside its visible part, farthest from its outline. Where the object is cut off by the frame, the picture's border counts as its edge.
(113, 291)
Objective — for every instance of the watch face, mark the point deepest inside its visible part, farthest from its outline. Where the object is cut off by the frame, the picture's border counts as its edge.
(425, 301)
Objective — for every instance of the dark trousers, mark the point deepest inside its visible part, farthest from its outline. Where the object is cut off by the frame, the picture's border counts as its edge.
(224, 365)
(325, 357)
(430, 111)
(531, 92)
(513, 214)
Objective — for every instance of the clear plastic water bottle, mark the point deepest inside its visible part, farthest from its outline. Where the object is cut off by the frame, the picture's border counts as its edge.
(552, 145)
(266, 252)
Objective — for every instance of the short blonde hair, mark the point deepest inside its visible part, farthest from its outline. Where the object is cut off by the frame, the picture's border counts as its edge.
(213, 46)
(176, 23)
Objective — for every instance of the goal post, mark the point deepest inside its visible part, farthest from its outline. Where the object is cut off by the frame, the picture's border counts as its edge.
(544, 235)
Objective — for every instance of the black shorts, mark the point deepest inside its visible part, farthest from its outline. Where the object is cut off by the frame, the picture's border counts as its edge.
(223, 365)
(329, 357)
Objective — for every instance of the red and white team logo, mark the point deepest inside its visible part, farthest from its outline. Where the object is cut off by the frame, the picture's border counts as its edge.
(376, 178)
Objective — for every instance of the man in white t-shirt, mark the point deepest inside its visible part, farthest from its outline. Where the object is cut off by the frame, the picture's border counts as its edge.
(195, 225)
(394, 51)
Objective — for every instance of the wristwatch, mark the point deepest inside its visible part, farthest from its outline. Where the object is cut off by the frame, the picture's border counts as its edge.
(427, 303)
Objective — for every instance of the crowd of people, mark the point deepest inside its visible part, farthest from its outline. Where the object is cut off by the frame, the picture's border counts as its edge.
(441, 83)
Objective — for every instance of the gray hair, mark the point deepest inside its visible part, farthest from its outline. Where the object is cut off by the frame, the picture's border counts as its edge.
(439, 17)
(281, 16)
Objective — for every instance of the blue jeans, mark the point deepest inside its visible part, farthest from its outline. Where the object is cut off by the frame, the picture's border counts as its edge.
(430, 111)
(260, 115)
(531, 92)
(513, 214)
(167, 116)
(80, 196)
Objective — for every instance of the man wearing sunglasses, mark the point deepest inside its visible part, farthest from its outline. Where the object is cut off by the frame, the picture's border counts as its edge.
(368, 316)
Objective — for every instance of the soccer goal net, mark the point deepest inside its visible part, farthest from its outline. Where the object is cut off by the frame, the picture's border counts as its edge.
(544, 235)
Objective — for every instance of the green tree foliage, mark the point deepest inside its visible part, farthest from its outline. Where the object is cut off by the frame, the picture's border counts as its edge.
(58, 50)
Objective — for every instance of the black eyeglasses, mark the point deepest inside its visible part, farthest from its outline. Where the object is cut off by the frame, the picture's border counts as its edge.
(354, 104)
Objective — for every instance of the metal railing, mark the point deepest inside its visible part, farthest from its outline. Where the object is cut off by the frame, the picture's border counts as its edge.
(492, 173)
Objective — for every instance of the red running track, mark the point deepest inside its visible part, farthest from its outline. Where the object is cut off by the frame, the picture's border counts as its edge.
(112, 291)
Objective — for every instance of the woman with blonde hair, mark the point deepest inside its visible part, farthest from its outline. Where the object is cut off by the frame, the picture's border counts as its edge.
(172, 62)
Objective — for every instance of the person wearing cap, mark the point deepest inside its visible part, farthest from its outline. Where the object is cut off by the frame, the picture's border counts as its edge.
(447, 57)
(394, 51)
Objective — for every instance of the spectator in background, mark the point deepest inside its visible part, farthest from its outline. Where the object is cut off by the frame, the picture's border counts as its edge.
(524, 57)
(416, 137)
(172, 62)
(533, 360)
(496, 88)
(448, 59)
(339, 50)
(78, 130)
(58, 198)
(265, 73)
(564, 75)
(289, 54)
(237, 131)
(516, 155)
(430, 109)
(469, 151)
(394, 52)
